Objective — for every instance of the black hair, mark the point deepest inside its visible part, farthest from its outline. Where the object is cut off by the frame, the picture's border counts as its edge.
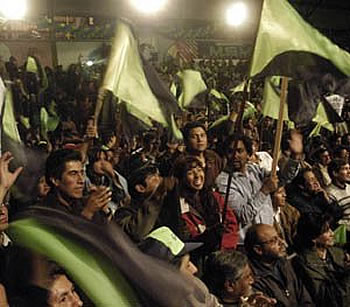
(185, 164)
(222, 266)
(139, 176)
(335, 166)
(310, 226)
(56, 162)
(299, 180)
(337, 151)
(247, 142)
(319, 152)
(188, 127)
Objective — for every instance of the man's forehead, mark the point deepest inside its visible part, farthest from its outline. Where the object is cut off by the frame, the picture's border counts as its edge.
(196, 130)
(240, 144)
(73, 165)
(267, 232)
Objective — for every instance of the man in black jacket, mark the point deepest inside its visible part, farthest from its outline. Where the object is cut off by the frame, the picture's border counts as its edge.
(274, 274)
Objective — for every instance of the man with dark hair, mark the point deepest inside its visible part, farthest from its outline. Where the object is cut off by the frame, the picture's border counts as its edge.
(229, 277)
(249, 193)
(34, 280)
(274, 274)
(66, 176)
(196, 141)
(322, 160)
(147, 190)
(339, 170)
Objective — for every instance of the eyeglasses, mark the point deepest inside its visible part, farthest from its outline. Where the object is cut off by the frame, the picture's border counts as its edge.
(274, 240)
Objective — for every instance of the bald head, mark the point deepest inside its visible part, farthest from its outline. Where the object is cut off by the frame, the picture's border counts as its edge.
(262, 241)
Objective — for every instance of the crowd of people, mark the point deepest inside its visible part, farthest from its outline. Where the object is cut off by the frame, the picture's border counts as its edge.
(208, 205)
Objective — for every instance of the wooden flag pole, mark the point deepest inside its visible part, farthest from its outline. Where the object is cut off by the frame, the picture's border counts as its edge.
(278, 136)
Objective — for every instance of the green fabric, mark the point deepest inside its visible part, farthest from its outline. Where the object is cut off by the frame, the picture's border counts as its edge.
(249, 110)
(272, 97)
(125, 77)
(175, 131)
(219, 121)
(93, 274)
(321, 119)
(48, 122)
(219, 95)
(192, 84)
(340, 234)
(282, 29)
(173, 89)
(240, 88)
(9, 123)
(168, 238)
(31, 65)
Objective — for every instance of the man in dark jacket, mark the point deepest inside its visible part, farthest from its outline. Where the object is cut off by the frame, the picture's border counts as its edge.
(66, 176)
(274, 274)
(147, 189)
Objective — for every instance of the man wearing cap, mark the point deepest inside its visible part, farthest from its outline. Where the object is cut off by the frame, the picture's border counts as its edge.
(163, 244)
(147, 190)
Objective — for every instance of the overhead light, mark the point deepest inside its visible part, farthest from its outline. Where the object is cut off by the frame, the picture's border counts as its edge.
(236, 14)
(13, 9)
(149, 6)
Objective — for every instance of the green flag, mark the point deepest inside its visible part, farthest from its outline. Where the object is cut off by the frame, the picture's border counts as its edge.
(285, 43)
(126, 76)
(49, 122)
(321, 120)
(103, 261)
(240, 88)
(192, 84)
(219, 95)
(104, 285)
(272, 98)
(8, 119)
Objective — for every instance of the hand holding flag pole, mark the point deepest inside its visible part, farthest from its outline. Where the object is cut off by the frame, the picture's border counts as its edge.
(238, 128)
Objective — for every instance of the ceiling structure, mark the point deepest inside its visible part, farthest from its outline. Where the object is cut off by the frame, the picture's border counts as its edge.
(329, 16)
(323, 13)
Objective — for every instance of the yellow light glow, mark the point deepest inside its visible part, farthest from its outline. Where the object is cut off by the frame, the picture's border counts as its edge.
(13, 9)
(149, 6)
(236, 14)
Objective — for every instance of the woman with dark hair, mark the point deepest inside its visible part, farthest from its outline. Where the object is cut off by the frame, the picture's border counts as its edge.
(323, 267)
(194, 212)
(306, 194)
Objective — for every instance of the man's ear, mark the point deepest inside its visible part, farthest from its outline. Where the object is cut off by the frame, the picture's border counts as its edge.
(140, 188)
(55, 181)
(258, 250)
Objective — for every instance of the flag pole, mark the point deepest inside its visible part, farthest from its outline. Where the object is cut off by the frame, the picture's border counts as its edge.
(278, 136)
(238, 128)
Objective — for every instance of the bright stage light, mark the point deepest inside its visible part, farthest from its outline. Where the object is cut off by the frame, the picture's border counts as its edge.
(13, 9)
(236, 14)
(148, 6)
(89, 63)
